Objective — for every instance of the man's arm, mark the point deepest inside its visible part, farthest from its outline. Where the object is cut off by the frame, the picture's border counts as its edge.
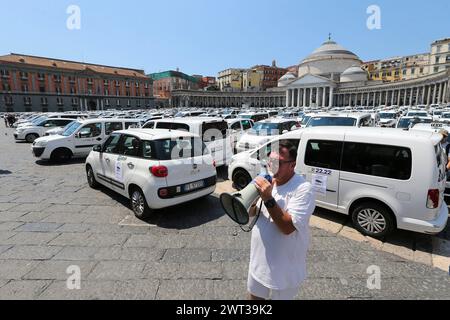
(282, 219)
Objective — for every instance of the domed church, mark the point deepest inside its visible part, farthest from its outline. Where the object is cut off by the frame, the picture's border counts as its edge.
(333, 76)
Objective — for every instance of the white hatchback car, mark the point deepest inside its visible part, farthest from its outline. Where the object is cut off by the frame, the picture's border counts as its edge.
(33, 131)
(153, 168)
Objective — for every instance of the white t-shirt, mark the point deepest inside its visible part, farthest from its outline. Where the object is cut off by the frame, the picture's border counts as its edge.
(278, 261)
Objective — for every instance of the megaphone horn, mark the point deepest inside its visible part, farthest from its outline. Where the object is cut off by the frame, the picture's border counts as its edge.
(237, 205)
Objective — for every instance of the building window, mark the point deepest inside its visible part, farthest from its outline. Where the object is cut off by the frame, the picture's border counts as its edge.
(413, 71)
(437, 59)
(90, 81)
(128, 103)
(4, 73)
(73, 90)
(59, 101)
(107, 102)
(404, 72)
(58, 90)
(44, 101)
(27, 101)
(74, 101)
(106, 82)
(127, 84)
(421, 70)
(438, 48)
(57, 78)
(24, 88)
(137, 84)
(447, 59)
(436, 69)
(41, 76)
(24, 75)
(106, 93)
(117, 83)
(8, 100)
(72, 79)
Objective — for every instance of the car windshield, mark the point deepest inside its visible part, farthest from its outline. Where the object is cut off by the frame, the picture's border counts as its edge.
(406, 123)
(305, 120)
(245, 116)
(265, 129)
(38, 120)
(71, 129)
(417, 114)
(387, 115)
(331, 121)
(446, 115)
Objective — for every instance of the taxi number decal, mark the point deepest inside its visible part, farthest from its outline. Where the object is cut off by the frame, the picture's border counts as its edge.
(321, 171)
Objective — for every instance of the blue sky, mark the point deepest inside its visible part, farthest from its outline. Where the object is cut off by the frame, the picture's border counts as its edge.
(206, 36)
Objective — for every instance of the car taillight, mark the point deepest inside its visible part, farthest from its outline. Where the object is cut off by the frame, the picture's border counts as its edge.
(159, 171)
(433, 199)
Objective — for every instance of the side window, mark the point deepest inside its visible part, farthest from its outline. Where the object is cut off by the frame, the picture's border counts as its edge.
(111, 145)
(110, 127)
(236, 126)
(377, 160)
(131, 125)
(323, 154)
(149, 125)
(91, 130)
(63, 123)
(131, 146)
(246, 124)
(147, 149)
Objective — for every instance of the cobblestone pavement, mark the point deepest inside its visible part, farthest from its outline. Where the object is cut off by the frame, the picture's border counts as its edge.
(50, 219)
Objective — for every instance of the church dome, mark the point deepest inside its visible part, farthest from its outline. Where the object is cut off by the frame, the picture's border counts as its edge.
(354, 73)
(329, 60)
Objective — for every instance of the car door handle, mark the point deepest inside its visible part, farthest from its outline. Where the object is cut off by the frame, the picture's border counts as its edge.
(130, 165)
(328, 190)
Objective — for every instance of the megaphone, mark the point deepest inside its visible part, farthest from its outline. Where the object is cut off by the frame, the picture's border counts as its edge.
(237, 205)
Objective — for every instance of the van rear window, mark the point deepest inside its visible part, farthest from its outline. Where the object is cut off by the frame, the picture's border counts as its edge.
(377, 160)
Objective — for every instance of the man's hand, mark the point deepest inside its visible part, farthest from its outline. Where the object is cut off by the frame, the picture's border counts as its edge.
(265, 188)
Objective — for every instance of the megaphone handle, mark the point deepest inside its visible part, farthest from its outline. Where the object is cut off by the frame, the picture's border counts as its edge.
(252, 225)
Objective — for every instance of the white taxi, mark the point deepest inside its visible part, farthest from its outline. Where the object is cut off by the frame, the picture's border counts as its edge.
(153, 168)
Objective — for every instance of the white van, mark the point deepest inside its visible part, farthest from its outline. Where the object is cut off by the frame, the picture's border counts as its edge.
(79, 138)
(384, 179)
(213, 131)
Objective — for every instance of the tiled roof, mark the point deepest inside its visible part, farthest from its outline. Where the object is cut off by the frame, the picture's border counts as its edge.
(71, 65)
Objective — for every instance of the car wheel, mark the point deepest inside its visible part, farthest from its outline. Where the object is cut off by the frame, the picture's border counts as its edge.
(241, 179)
(373, 219)
(31, 137)
(91, 178)
(139, 204)
(61, 155)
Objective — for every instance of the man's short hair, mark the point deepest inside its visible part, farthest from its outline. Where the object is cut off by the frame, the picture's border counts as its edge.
(291, 146)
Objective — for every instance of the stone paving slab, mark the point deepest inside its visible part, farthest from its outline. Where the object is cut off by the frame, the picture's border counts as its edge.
(188, 252)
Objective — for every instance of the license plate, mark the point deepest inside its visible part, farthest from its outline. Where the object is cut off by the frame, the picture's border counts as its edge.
(194, 186)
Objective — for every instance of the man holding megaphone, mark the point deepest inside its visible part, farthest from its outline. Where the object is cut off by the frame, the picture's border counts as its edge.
(281, 236)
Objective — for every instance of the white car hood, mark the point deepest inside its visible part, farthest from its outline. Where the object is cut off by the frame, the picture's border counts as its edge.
(49, 139)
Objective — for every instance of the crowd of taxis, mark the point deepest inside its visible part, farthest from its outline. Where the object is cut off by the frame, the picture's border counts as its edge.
(356, 164)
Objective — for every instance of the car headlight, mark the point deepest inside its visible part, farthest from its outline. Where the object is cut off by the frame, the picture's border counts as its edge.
(41, 144)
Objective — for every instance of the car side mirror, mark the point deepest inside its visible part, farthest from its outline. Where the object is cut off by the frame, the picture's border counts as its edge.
(98, 148)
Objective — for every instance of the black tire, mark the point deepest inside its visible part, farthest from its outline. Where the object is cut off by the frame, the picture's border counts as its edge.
(241, 179)
(31, 137)
(373, 220)
(139, 204)
(61, 155)
(91, 178)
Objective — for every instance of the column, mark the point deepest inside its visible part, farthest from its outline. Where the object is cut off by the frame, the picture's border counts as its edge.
(392, 97)
(434, 94)
(440, 93)
(404, 97)
(374, 102)
(298, 98)
(330, 104)
(411, 97)
(422, 98)
(429, 96)
(444, 97)
(287, 98)
(304, 97)
(310, 97)
(324, 97)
